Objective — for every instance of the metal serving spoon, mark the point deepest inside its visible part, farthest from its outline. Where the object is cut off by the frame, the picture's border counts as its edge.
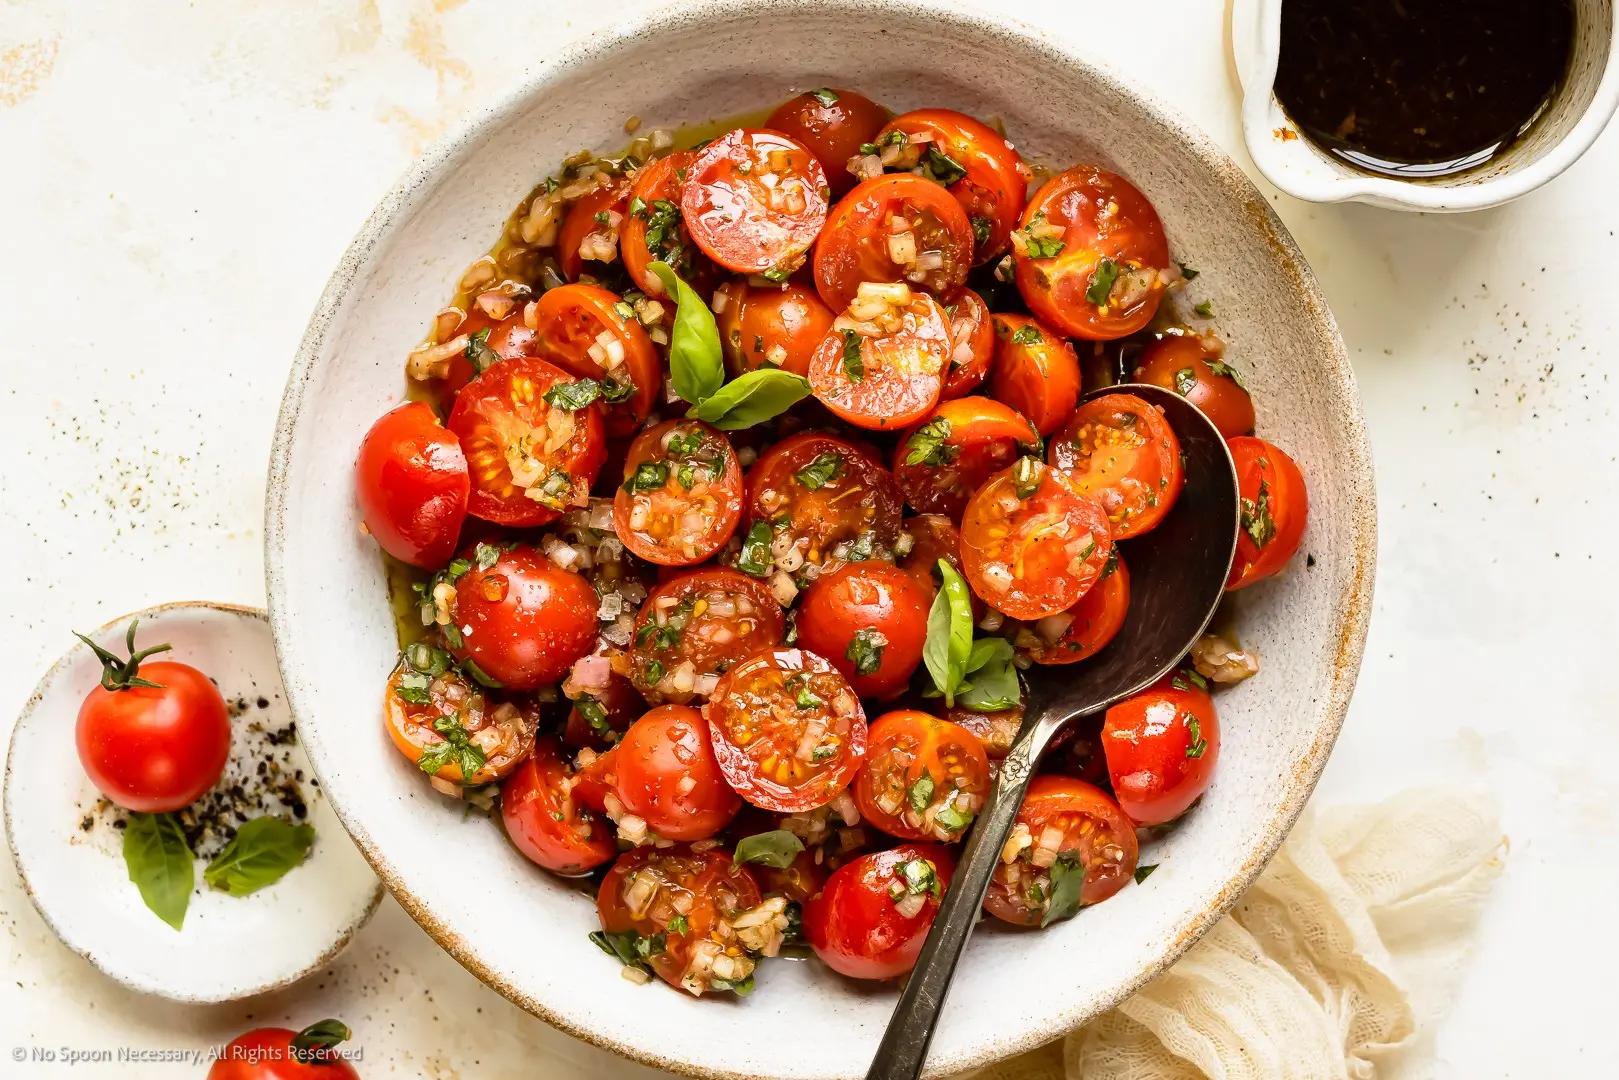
(1177, 576)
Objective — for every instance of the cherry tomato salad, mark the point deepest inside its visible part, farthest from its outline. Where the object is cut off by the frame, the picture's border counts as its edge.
(738, 484)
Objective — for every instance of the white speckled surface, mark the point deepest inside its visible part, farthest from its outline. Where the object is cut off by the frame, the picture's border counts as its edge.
(193, 174)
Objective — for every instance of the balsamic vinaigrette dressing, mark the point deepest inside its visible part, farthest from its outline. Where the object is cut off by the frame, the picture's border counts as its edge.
(1421, 88)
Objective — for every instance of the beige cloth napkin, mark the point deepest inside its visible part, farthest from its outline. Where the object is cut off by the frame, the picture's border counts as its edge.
(1333, 966)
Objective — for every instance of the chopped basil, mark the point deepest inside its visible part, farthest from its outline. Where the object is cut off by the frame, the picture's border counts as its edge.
(684, 444)
(920, 794)
(778, 274)
(1107, 272)
(1199, 745)
(485, 556)
(981, 227)
(412, 688)
(260, 854)
(648, 476)
(937, 165)
(865, 651)
(1026, 476)
(573, 395)
(1040, 247)
(919, 876)
(594, 715)
(777, 849)
(927, 445)
(654, 672)
(1145, 872)
(1187, 272)
(822, 471)
(1257, 521)
(741, 988)
(457, 749)
(1186, 678)
(1205, 309)
(1185, 381)
(893, 138)
(804, 696)
(853, 365)
(821, 753)
(1067, 882)
(1027, 335)
(825, 96)
(755, 557)
(556, 488)
(479, 354)
(629, 948)
(1225, 370)
(1111, 566)
(663, 232)
(679, 925)
(949, 643)
(870, 148)
(426, 660)
(637, 206)
(952, 819)
(603, 217)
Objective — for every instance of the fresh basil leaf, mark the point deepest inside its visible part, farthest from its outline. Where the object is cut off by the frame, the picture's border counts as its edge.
(573, 395)
(822, 471)
(949, 643)
(1067, 881)
(920, 795)
(1107, 272)
(695, 364)
(853, 366)
(994, 677)
(1145, 872)
(160, 864)
(753, 398)
(1027, 335)
(777, 849)
(260, 853)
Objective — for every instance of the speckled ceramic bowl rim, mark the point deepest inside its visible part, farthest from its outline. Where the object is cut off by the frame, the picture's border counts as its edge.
(345, 935)
(453, 149)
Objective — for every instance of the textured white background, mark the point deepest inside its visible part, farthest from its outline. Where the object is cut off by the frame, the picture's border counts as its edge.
(177, 180)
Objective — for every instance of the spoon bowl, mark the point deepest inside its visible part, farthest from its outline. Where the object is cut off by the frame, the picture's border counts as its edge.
(1178, 573)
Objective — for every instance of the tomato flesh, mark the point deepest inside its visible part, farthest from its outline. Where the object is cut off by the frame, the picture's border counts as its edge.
(572, 322)
(1092, 623)
(682, 493)
(1035, 372)
(944, 459)
(503, 732)
(822, 496)
(833, 125)
(923, 779)
(654, 229)
(982, 170)
(544, 823)
(1275, 508)
(523, 620)
(585, 219)
(1161, 748)
(695, 628)
(667, 775)
(411, 481)
(1121, 451)
(857, 925)
(755, 201)
(870, 619)
(972, 337)
(1188, 365)
(1068, 821)
(788, 730)
(155, 749)
(890, 229)
(890, 372)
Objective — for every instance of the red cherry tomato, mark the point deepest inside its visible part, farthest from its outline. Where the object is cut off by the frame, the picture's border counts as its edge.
(524, 620)
(972, 335)
(888, 378)
(152, 737)
(770, 326)
(505, 423)
(585, 217)
(1186, 364)
(997, 730)
(1275, 506)
(924, 778)
(543, 821)
(570, 322)
(639, 895)
(682, 493)
(870, 619)
(976, 162)
(893, 228)
(274, 1053)
(871, 919)
(412, 483)
(504, 337)
(696, 627)
(787, 729)
(1161, 747)
(833, 125)
(598, 719)
(1091, 234)
(943, 460)
(1035, 372)
(822, 495)
(755, 201)
(1091, 623)
(667, 775)
(933, 537)
(1068, 822)
(1120, 450)
(502, 732)
(797, 881)
(655, 231)
(1032, 544)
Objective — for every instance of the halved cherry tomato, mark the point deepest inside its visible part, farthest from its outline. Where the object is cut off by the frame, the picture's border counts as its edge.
(667, 775)
(1187, 365)
(1035, 372)
(682, 493)
(1275, 507)
(504, 337)
(1089, 254)
(822, 496)
(694, 628)
(943, 460)
(1091, 623)
(571, 323)
(1161, 747)
(972, 337)
(654, 230)
(1120, 450)
(1033, 544)
(459, 724)
(688, 899)
(523, 620)
(1068, 822)
(755, 201)
(593, 213)
(924, 778)
(411, 481)
(933, 537)
(770, 326)
(528, 460)
(893, 228)
(871, 919)
(870, 619)
(976, 162)
(600, 718)
(788, 730)
(544, 823)
(833, 125)
(997, 730)
(892, 376)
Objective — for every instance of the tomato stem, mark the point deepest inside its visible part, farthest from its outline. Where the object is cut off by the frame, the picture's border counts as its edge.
(118, 674)
(315, 1042)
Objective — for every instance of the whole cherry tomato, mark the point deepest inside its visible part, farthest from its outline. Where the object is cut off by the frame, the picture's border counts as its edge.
(283, 1054)
(667, 775)
(152, 738)
(544, 823)
(833, 124)
(1275, 508)
(870, 619)
(412, 483)
(871, 919)
(770, 326)
(523, 620)
(1161, 747)
(1035, 372)
(1187, 365)
(1080, 632)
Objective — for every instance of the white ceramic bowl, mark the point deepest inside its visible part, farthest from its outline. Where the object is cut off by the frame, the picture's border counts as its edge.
(524, 933)
(1579, 112)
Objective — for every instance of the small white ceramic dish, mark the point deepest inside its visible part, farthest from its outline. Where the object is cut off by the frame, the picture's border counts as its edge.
(70, 858)
(1297, 166)
(524, 932)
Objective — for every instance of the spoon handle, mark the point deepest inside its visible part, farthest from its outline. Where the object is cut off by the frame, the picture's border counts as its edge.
(904, 1049)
